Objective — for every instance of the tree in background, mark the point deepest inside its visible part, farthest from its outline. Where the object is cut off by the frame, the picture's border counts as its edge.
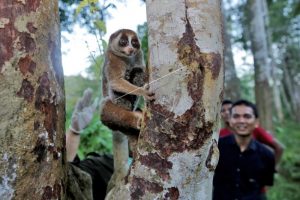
(232, 84)
(275, 80)
(291, 80)
(180, 128)
(284, 26)
(32, 100)
(284, 41)
(281, 19)
(262, 62)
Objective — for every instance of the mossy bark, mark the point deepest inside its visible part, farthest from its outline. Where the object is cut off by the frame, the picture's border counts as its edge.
(32, 101)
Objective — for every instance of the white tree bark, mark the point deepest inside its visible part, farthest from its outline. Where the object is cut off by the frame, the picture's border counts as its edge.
(177, 147)
(32, 101)
(262, 63)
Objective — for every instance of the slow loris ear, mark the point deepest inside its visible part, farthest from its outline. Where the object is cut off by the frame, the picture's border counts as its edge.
(114, 35)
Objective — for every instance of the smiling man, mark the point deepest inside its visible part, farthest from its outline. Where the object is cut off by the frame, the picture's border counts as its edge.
(245, 165)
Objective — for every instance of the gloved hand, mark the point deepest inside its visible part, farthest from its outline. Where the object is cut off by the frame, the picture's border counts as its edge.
(83, 112)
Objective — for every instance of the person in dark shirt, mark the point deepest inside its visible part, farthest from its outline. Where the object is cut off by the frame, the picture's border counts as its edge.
(245, 165)
(259, 133)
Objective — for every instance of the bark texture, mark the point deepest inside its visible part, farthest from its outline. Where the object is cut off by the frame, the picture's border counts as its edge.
(262, 63)
(177, 148)
(32, 101)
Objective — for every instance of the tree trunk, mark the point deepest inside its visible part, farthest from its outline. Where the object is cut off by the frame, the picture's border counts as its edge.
(274, 69)
(177, 147)
(277, 101)
(32, 101)
(292, 90)
(262, 63)
(232, 84)
(285, 101)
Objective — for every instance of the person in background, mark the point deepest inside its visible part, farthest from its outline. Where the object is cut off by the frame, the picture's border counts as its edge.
(87, 178)
(259, 133)
(245, 165)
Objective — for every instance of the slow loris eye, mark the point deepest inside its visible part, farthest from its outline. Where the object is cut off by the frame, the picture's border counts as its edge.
(123, 42)
(135, 43)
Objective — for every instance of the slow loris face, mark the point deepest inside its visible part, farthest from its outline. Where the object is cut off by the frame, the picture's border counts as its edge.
(125, 42)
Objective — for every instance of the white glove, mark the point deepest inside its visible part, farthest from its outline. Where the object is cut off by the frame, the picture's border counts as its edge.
(83, 112)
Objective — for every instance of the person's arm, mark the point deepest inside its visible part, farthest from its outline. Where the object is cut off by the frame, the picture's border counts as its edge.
(278, 151)
(81, 117)
(266, 138)
(72, 144)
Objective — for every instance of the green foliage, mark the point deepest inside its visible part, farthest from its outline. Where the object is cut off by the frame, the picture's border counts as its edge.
(74, 87)
(84, 12)
(292, 58)
(247, 86)
(142, 31)
(281, 14)
(95, 138)
(297, 9)
(95, 70)
(100, 25)
(287, 181)
(86, 3)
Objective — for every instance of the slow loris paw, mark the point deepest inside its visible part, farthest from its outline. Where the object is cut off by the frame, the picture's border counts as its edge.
(139, 117)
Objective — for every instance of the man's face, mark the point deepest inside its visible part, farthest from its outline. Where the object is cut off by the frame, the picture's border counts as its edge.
(242, 120)
(225, 112)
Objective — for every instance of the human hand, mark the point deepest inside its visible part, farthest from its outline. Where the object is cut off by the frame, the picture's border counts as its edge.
(83, 112)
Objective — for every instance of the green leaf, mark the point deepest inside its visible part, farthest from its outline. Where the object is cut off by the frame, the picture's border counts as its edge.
(81, 5)
(100, 25)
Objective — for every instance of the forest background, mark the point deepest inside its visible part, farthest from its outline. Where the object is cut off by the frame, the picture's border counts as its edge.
(275, 86)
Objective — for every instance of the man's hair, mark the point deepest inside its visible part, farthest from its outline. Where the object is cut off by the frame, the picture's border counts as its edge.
(226, 101)
(246, 103)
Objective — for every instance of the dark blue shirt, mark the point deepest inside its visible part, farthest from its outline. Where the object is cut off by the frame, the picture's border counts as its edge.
(241, 175)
